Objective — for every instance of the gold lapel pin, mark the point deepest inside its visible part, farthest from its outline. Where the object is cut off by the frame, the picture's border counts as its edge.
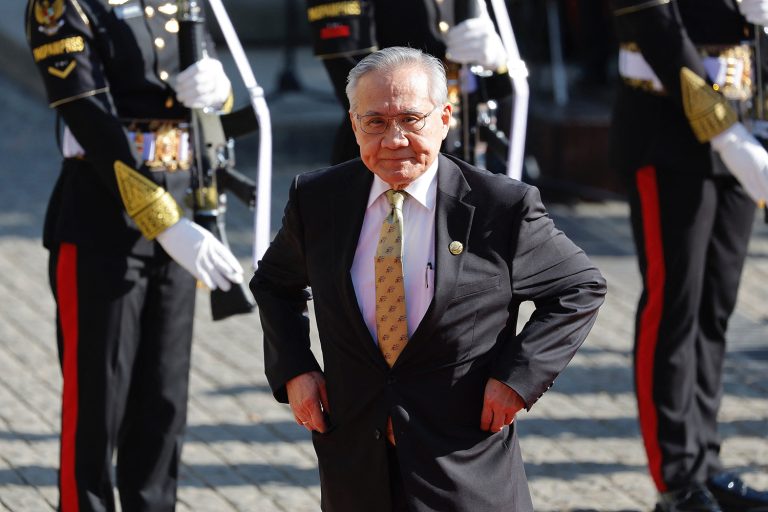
(456, 248)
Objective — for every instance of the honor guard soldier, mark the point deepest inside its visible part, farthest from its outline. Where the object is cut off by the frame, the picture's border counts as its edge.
(693, 174)
(345, 32)
(124, 257)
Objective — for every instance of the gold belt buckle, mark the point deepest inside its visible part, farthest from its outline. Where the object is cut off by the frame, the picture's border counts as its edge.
(169, 154)
(737, 83)
(738, 86)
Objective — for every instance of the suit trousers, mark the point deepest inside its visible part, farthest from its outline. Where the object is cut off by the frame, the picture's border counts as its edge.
(124, 328)
(396, 485)
(691, 233)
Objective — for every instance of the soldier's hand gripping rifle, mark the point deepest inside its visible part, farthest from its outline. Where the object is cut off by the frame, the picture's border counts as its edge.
(213, 158)
(261, 226)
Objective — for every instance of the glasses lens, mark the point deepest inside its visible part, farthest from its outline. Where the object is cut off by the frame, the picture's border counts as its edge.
(374, 125)
(411, 122)
(408, 123)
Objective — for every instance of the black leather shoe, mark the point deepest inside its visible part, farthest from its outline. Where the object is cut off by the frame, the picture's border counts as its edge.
(694, 498)
(734, 495)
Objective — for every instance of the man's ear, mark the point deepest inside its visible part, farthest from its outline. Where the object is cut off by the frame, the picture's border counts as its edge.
(445, 117)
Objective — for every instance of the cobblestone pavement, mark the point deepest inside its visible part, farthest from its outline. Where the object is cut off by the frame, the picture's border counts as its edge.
(244, 452)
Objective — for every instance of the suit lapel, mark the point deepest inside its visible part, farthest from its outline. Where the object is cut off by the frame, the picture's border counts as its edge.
(453, 220)
(353, 187)
(349, 213)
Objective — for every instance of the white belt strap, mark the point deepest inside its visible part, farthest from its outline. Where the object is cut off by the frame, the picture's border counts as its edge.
(155, 150)
(69, 145)
(632, 65)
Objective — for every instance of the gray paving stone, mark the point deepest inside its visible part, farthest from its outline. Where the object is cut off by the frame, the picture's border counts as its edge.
(24, 498)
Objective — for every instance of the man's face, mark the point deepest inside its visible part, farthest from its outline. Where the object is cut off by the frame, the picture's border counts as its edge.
(395, 156)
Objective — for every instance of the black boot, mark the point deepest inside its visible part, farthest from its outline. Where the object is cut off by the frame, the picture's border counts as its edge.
(734, 495)
(693, 498)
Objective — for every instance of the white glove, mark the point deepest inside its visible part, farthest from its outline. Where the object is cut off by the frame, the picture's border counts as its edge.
(746, 158)
(475, 41)
(756, 11)
(198, 251)
(203, 84)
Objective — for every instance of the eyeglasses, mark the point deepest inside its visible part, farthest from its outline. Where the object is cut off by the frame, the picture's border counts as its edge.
(407, 122)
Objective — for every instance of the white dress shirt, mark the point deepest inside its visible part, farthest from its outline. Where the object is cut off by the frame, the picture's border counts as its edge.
(418, 248)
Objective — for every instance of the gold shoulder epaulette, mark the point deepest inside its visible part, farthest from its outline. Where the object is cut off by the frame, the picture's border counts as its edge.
(149, 205)
(708, 111)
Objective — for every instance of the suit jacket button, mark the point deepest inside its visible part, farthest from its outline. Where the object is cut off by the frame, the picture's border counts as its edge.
(391, 380)
(377, 434)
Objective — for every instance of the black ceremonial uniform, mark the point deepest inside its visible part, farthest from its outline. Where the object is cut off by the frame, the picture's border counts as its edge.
(125, 309)
(691, 220)
(345, 32)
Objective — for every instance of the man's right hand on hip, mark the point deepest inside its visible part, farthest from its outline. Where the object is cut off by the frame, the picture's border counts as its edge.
(200, 253)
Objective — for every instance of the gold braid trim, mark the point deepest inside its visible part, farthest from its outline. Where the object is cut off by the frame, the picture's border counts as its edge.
(707, 111)
(149, 205)
(630, 46)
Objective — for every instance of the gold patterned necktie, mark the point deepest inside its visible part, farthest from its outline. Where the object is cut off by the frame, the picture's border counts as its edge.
(391, 322)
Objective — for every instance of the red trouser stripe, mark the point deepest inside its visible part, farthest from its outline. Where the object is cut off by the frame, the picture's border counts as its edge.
(648, 329)
(66, 289)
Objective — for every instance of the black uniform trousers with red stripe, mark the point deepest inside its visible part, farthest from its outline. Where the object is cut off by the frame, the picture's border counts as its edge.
(691, 232)
(124, 334)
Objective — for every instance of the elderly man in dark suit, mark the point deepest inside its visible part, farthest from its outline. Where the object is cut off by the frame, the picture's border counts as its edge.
(417, 263)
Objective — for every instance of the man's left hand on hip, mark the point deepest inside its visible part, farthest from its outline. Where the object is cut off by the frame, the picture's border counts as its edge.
(500, 405)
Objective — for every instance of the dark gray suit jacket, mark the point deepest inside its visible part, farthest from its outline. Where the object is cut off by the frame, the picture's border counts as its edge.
(434, 392)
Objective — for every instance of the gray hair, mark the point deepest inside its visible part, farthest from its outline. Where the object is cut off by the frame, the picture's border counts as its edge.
(389, 59)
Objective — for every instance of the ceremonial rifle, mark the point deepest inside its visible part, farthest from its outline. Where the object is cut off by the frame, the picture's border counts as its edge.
(518, 77)
(214, 158)
(464, 10)
(480, 134)
(460, 84)
(261, 226)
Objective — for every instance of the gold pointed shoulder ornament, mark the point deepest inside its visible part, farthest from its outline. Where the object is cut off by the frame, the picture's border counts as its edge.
(149, 205)
(707, 111)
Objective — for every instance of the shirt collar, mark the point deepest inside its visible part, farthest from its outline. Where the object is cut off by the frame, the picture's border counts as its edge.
(423, 189)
